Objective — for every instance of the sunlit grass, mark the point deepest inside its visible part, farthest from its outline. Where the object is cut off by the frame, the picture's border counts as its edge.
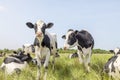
(65, 69)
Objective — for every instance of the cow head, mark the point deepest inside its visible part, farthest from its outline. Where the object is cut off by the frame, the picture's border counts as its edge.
(115, 51)
(70, 39)
(39, 28)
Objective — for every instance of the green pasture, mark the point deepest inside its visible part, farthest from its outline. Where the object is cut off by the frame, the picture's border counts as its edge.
(65, 69)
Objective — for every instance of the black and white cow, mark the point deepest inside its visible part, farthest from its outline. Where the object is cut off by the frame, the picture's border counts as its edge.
(28, 48)
(115, 51)
(45, 44)
(73, 55)
(84, 42)
(112, 67)
(15, 62)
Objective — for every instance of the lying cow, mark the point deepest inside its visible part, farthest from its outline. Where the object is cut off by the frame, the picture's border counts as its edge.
(73, 55)
(15, 63)
(112, 67)
(84, 42)
(45, 44)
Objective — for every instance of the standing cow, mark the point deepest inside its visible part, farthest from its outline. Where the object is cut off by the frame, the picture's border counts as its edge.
(84, 42)
(45, 44)
(112, 66)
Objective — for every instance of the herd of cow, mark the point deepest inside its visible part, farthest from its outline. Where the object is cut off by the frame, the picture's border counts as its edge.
(45, 45)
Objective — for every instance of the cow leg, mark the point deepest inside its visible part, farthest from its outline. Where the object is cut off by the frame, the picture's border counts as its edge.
(38, 68)
(80, 56)
(37, 53)
(87, 59)
(86, 63)
(53, 59)
(46, 63)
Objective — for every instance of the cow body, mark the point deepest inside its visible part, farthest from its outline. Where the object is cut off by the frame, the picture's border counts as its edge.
(112, 67)
(45, 44)
(84, 42)
(14, 63)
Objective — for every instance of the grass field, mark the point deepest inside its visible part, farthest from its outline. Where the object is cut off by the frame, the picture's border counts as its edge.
(65, 69)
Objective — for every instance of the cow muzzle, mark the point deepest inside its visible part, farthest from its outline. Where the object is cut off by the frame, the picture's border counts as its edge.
(39, 34)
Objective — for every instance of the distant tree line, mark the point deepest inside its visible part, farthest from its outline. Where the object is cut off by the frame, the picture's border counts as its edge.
(61, 51)
(95, 51)
(5, 50)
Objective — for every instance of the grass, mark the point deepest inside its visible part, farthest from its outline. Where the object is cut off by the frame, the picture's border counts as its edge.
(65, 69)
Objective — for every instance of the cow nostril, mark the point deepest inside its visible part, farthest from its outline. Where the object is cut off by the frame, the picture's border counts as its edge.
(39, 34)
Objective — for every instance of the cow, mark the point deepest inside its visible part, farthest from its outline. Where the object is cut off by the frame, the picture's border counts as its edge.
(15, 62)
(115, 51)
(73, 55)
(112, 66)
(45, 44)
(84, 42)
(28, 48)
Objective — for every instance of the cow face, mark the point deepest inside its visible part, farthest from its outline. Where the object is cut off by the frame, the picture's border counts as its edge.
(39, 28)
(70, 39)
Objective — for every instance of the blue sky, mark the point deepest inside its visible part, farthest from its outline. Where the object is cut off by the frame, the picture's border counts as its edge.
(100, 17)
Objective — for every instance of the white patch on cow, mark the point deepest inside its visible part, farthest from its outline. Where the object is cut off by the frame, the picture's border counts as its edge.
(116, 50)
(39, 32)
(85, 56)
(27, 48)
(66, 45)
(40, 23)
(80, 56)
(10, 67)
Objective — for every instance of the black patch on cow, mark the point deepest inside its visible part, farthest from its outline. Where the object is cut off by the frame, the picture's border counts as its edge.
(85, 39)
(12, 59)
(43, 28)
(33, 48)
(35, 27)
(56, 45)
(36, 42)
(74, 55)
(111, 60)
(20, 57)
(70, 30)
(27, 58)
(46, 42)
(79, 48)
(72, 39)
(118, 52)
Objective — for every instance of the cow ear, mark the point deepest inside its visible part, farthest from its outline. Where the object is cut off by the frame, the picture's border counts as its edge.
(49, 25)
(64, 37)
(76, 31)
(30, 25)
